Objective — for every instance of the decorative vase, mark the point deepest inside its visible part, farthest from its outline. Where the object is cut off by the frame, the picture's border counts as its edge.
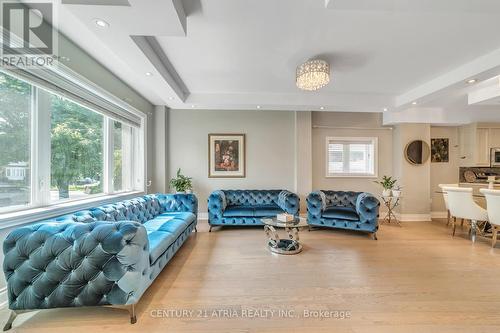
(386, 192)
(396, 193)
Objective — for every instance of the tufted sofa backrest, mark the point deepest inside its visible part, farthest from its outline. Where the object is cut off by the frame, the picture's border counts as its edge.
(341, 198)
(251, 197)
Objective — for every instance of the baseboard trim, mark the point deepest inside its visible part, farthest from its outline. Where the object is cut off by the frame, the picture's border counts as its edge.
(439, 215)
(414, 217)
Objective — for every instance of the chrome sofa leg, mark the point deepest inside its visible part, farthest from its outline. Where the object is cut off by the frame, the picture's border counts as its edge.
(131, 310)
(12, 317)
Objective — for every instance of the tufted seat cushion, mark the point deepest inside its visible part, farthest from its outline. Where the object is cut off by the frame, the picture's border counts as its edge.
(344, 213)
(267, 211)
(162, 231)
(238, 211)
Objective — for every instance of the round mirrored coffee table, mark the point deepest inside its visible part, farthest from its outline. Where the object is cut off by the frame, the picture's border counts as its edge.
(283, 245)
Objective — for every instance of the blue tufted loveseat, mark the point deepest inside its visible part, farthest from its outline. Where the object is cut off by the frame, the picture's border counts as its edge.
(107, 255)
(247, 207)
(345, 210)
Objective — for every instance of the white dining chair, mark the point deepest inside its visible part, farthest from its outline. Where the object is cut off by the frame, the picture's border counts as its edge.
(493, 208)
(462, 205)
(445, 198)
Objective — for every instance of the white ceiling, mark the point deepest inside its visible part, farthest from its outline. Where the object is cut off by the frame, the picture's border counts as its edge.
(237, 54)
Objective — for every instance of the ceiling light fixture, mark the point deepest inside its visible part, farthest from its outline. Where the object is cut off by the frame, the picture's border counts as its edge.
(258, 106)
(148, 74)
(171, 98)
(414, 103)
(321, 107)
(312, 75)
(101, 23)
(386, 109)
(192, 105)
(471, 81)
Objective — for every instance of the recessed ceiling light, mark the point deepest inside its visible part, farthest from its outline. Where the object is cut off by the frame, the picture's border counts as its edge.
(321, 107)
(386, 109)
(471, 81)
(192, 105)
(171, 98)
(258, 106)
(101, 23)
(414, 103)
(148, 74)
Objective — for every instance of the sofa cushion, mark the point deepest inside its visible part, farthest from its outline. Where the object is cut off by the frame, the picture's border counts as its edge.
(267, 210)
(159, 241)
(341, 213)
(186, 216)
(238, 211)
(162, 232)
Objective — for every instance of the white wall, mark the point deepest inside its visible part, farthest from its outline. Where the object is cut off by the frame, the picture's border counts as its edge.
(344, 124)
(270, 148)
(415, 179)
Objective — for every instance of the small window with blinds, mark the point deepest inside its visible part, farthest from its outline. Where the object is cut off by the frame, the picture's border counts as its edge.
(351, 157)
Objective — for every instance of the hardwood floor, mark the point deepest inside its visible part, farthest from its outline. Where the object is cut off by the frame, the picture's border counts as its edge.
(413, 279)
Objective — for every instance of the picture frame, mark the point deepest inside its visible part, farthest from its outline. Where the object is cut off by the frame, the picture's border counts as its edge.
(226, 155)
(440, 150)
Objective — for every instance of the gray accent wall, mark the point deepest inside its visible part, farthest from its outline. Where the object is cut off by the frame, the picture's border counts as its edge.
(349, 124)
(270, 148)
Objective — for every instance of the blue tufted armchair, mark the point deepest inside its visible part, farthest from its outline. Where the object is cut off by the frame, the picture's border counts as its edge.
(247, 207)
(345, 210)
(107, 255)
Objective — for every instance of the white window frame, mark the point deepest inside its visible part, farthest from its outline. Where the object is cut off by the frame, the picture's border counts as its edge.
(40, 205)
(329, 139)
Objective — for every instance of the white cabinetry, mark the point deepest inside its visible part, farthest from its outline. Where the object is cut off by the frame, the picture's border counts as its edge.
(475, 141)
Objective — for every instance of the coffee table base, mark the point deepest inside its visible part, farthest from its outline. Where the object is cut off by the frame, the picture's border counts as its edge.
(285, 246)
(279, 245)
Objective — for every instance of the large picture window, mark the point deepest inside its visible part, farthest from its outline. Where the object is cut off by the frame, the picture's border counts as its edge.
(351, 157)
(15, 147)
(53, 149)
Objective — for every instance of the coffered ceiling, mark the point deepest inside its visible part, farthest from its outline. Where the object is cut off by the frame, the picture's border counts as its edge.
(240, 54)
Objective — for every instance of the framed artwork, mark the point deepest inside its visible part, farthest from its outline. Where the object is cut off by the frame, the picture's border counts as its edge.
(440, 150)
(226, 156)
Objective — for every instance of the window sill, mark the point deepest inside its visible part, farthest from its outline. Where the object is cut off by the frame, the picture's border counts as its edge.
(12, 219)
(352, 176)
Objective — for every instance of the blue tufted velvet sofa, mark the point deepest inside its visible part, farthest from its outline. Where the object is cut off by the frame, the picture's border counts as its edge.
(345, 210)
(247, 207)
(107, 255)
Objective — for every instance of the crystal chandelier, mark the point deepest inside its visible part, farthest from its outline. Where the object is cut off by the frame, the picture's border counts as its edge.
(313, 75)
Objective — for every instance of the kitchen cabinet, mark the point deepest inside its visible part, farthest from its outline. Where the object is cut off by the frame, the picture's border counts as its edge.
(475, 141)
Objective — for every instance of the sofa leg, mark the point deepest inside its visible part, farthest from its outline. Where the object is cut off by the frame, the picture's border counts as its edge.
(210, 230)
(195, 229)
(131, 310)
(8, 324)
(374, 235)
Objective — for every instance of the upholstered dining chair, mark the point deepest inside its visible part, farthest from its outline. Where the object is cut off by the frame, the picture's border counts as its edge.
(493, 208)
(445, 198)
(462, 205)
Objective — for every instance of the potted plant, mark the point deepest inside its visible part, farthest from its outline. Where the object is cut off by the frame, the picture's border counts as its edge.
(396, 192)
(387, 183)
(181, 183)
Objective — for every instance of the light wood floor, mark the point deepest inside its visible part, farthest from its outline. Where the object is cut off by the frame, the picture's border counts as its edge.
(413, 279)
